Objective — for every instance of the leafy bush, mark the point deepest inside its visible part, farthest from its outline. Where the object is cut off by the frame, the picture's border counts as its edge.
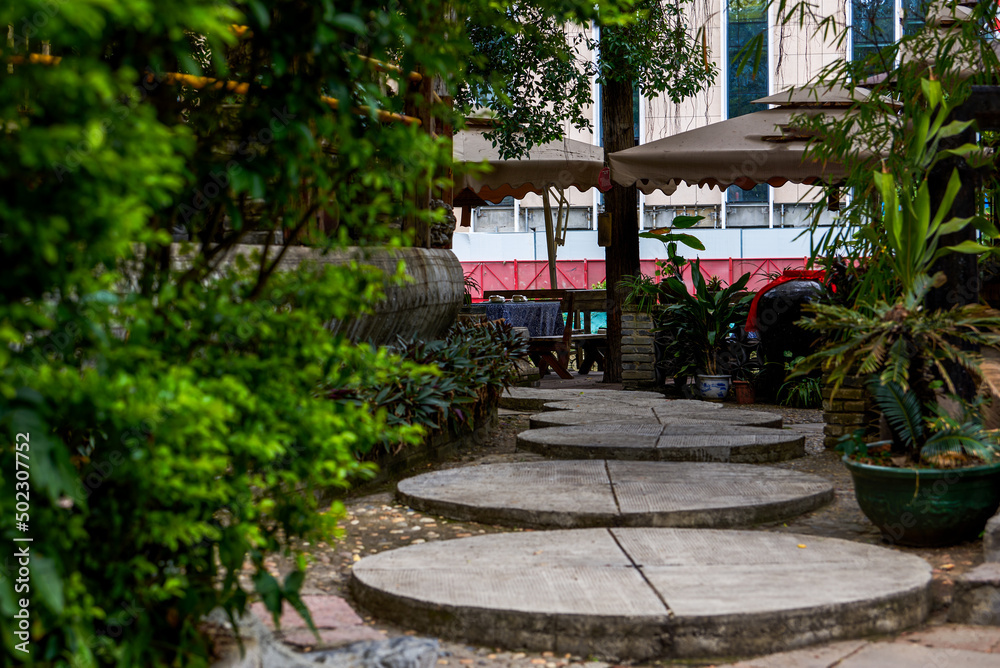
(179, 409)
(175, 459)
(451, 380)
(800, 392)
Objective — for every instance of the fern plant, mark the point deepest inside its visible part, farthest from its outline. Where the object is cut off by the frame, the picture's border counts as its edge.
(941, 440)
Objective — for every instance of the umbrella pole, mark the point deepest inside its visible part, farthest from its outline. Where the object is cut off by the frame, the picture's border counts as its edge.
(550, 238)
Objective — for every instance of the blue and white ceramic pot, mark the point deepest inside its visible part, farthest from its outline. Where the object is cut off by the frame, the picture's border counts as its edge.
(713, 387)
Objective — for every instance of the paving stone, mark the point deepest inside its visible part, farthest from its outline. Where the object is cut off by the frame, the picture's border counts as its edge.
(956, 636)
(327, 612)
(680, 440)
(813, 657)
(894, 655)
(568, 494)
(616, 412)
(728, 415)
(597, 403)
(977, 596)
(304, 638)
(534, 398)
(632, 593)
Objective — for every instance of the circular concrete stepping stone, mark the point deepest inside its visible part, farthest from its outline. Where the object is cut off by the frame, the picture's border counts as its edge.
(594, 493)
(677, 441)
(637, 594)
(591, 403)
(618, 412)
(535, 398)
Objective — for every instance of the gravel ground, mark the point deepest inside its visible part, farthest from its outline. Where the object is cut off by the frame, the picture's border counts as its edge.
(375, 522)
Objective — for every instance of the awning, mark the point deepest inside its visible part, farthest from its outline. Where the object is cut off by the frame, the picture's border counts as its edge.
(762, 147)
(558, 164)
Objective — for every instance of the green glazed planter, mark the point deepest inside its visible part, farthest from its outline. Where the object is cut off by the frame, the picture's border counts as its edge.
(927, 507)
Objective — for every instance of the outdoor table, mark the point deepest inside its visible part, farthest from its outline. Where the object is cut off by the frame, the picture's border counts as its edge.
(542, 318)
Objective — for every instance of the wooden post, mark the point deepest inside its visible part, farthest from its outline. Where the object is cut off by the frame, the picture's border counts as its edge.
(550, 239)
(622, 204)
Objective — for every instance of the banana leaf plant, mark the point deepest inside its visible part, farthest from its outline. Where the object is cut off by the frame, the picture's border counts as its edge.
(699, 323)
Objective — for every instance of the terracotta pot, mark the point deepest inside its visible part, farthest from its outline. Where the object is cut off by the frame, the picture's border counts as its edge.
(743, 391)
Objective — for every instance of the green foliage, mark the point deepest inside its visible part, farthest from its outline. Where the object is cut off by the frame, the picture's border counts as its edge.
(902, 410)
(642, 292)
(900, 342)
(198, 445)
(801, 392)
(900, 129)
(657, 52)
(699, 323)
(454, 378)
(941, 440)
(178, 398)
(534, 70)
(471, 285)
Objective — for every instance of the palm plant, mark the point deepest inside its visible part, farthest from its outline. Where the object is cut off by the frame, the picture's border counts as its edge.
(939, 440)
(907, 348)
(700, 322)
(902, 342)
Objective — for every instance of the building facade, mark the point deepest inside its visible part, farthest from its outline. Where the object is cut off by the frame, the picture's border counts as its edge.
(765, 222)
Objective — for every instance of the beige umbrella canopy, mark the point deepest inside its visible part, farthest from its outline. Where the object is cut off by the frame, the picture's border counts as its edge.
(556, 165)
(560, 164)
(762, 147)
(821, 95)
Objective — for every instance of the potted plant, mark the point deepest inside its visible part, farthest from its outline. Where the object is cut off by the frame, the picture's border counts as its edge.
(940, 478)
(700, 325)
(936, 482)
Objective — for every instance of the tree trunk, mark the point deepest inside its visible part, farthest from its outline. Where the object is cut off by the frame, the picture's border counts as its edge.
(622, 256)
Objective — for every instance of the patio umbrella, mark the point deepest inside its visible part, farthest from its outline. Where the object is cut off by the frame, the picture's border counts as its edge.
(554, 165)
(761, 147)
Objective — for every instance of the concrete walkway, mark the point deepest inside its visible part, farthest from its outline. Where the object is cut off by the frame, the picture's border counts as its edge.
(681, 440)
(534, 398)
(945, 646)
(645, 593)
(595, 493)
(640, 593)
(611, 412)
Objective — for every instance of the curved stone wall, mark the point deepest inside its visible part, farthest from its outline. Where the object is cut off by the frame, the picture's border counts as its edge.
(424, 308)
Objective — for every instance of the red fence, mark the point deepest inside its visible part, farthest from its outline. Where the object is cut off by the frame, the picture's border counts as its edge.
(583, 274)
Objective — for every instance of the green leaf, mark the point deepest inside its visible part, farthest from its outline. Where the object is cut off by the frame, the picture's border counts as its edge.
(270, 593)
(350, 23)
(293, 585)
(902, 410)
(684, 222)
(45, 580)
(970, 248)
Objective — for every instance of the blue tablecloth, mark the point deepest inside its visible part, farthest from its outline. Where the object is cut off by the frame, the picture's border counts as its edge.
(541, 318)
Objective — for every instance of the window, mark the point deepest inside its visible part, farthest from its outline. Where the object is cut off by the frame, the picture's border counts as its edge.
(747, 19)
(636, 101)
(914, 12)
(872, 27)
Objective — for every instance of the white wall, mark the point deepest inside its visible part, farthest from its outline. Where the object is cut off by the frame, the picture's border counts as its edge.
(582, 245)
